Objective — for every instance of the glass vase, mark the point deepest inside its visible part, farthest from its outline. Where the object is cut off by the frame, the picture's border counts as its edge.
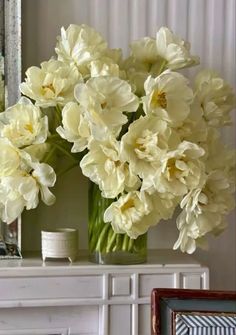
(105, 246)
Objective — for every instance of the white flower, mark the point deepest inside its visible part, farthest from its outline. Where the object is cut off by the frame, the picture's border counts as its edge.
(204, 209)
(174, 51)
(168, 96)
(81, 45)
(52, 84)
(16, 192)
(75, 127)
(194, 128)
(104, 100)
(147, 140)
(103, 166)
(103, 68)
(145, 55)
(45, 177)
(150, 56)
(132, 214)
(215, 97)
(164, 205)
(23, 124)
(21, 188)
(136, 73)
(180, 170)
(9, 158)
(215, 148)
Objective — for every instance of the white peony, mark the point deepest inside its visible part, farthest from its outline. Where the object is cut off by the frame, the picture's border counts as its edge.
(75, 127)
(174, 51)
(168, 96)
(103, 166)
(23, 124)
(215, 97)
(52, 84)
(81, 45)
(105, 99)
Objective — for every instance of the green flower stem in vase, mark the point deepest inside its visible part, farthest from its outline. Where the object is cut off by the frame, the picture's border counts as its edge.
(105, 246)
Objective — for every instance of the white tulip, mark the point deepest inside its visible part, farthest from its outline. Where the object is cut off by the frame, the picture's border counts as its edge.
(45, 177)
(168, 96)
(194, 128)
(180, 170)
(21, 189)
(81, 45)
(103, 166)
(144, 50)
(103, 68)
(105, 99)
(9, 158)
(52, 84)
(75, 127)
(147, 140)
(132, 214)
(174, 51)
(204, 209)
(23, 124)
(216, 98)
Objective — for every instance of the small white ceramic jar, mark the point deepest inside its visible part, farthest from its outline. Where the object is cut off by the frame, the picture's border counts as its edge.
(60, 243)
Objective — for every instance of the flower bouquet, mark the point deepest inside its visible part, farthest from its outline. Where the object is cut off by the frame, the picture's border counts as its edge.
(148, 142)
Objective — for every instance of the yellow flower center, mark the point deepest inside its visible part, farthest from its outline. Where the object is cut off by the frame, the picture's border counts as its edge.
(158, 99)
(49, 87)
(172, 169)
(129, 204)
(29, 127)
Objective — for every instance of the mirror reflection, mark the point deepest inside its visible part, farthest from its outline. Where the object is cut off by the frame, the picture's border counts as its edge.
(9, 234)
(2, 93)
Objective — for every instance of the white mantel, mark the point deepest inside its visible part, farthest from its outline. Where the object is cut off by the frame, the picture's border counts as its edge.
(51, 298)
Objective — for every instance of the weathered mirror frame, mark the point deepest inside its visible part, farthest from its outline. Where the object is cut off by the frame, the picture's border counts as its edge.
(10, 47)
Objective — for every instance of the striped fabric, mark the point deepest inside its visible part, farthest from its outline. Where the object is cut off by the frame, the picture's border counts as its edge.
(189, 324)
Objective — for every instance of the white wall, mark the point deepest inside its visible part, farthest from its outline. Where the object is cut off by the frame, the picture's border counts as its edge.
(210, 27)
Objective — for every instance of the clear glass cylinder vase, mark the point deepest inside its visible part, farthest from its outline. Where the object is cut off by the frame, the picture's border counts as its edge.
(105, 246)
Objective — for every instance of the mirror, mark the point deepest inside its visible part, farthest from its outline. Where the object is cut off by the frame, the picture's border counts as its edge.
(10, 78)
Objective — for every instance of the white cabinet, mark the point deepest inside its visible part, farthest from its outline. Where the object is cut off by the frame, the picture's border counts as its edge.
(58, 298)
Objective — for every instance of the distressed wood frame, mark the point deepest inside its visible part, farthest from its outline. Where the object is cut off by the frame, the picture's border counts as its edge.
(10, 45)
(166, 303)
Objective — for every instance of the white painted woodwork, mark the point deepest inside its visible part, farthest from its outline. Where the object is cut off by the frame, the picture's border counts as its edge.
(83, 298)
(209, 25)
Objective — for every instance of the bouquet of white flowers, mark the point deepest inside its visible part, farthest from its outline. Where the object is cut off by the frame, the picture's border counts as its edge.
(138, 130)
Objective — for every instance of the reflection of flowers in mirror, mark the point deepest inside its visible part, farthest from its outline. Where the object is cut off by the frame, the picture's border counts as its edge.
(136, 127)
(2, 94)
